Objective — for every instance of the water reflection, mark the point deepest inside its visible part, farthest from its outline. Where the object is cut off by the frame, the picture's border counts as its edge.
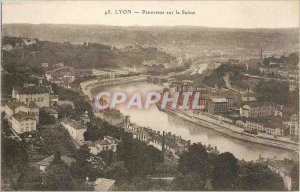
(160, 121)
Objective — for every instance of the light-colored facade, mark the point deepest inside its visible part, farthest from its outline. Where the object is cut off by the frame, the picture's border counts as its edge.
(137, 132)
(272, 126)
(258, 109)
(294, 126)
(108, 143)
(39, 95)
(22, 122)
(75, 129)
(14, 106)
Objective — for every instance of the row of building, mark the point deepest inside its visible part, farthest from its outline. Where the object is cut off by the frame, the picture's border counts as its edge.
(22, 110)
(246, 112)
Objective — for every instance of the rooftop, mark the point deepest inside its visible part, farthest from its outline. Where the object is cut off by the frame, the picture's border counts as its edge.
(32, 90)
(48, 160)
(73, 123)
(270, 122)
(21, 116)
(102, 184)
(32, 105)
(14, 104)
(103, 142)
(260, 104)
(219, 100)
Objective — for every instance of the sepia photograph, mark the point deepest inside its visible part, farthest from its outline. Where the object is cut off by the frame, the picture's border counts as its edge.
(149, 95)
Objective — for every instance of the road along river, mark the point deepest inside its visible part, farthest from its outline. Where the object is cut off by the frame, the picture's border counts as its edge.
(161, 121)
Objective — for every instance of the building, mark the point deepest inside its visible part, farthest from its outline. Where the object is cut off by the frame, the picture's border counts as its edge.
(40, 95)
(294, 127)
(103, 74)
(85, 118)
(217, 105)
(283, 168)
(7, 47)
(43, 164)
(29, 42)
(112, 116)
(75, 129)
(268, 71)
(45, 65)
(258, 109)
(271, 125)
(14, 106)
(54, 99)
(248, 99)
(22, 122)
(137, 132)
(102, 184)
(108, 143)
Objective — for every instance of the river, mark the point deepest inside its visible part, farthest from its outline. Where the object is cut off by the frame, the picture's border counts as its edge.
(160, 121)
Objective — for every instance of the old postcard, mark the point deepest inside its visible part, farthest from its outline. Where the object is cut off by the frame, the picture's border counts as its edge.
(150, 95)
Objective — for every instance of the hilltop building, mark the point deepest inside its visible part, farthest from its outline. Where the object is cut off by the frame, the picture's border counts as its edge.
(23, 122)
(75, 129)
(14, 106)
(108, 143)
(38, 94)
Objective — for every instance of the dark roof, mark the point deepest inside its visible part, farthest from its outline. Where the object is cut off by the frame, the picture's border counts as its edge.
(260, 104)
(14, 104)
(32, 105)
(32, 89)
(103, 142)
(20, 116)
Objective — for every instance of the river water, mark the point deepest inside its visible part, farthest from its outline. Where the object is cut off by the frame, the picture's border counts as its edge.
(160, 121)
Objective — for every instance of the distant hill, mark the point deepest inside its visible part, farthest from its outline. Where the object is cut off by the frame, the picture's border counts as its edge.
(179, 39)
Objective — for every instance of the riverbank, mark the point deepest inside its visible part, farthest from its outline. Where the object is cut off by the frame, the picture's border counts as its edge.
(234, 131)
(241, 143)
(88, 86)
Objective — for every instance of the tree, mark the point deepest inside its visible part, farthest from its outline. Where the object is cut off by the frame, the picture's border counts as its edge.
(156, 156)
(83, 168)
(272, 91)
(225, 170)
(134, 154)
(45, 118)
(57, 159)
(189, 182)
(107, 156)
(258, 177)
(14, 154)
(29, 179)
(117, 171)
(194, 160)
(58, 178)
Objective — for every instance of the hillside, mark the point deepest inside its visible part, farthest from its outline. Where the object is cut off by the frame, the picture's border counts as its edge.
(180, 39)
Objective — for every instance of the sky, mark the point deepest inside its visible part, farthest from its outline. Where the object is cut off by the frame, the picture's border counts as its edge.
(225, 14)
